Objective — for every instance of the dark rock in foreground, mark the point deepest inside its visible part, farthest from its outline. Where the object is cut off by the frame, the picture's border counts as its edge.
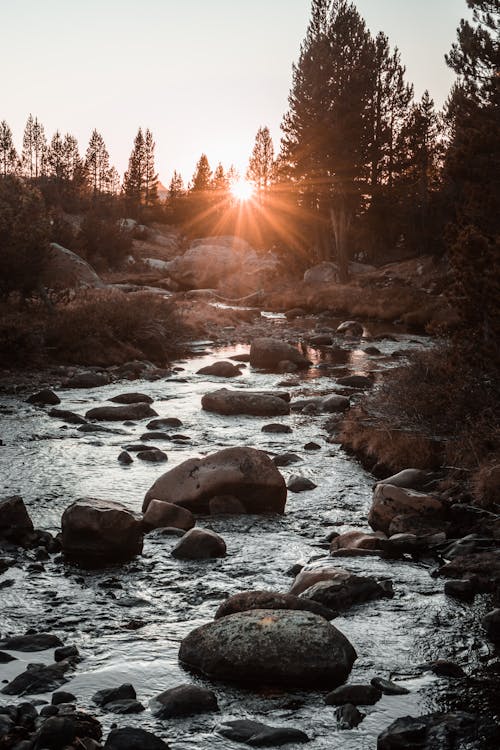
(38, 678)
(184, 700)
(15, 523)
(31, 642)
(199, 544)
(227, 402)
(248, 600)
(45, 397)
(132, 398)
(95, 531)
(131, 738)
(244, 473)
(270, 647)
(67, 416)
(439, 731)
(364, 695)
(110, 695)
(256, 734)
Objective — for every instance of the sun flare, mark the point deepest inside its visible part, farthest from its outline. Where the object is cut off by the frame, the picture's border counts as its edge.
(242, 190)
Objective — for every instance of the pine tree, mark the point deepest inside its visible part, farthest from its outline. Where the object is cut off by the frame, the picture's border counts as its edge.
(34, 149)
(8, 155)
(133, 180)
(97, 163)
(261, 164)
(56, 159)
(220, 182)
(327, 133)
(202, 177)
(176, 188)
(150, 174)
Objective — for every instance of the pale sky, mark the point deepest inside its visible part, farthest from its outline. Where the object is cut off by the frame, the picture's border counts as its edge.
(203, 75)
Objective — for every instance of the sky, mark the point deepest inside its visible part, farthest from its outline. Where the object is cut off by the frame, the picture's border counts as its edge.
(202, 75)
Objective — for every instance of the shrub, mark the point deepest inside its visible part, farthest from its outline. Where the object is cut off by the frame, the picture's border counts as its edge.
(103, 241)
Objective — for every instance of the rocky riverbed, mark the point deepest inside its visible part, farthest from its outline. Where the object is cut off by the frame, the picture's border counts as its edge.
(128, 620)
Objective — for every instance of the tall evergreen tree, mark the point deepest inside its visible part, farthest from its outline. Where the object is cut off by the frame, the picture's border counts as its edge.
(220, 182)
(133, 181)
(176, 188)
(97, 163)
(150, 174)
(261, 164)
(202, 177)
(327, 132)
(34, 148)
(8, 155)
(56, 159)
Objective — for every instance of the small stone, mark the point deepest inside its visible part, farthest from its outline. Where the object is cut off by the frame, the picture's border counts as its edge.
(200, 544)
(388, 687)
(153, 456)
(125, 458)
(62, 696)
(312, 446)
(45, 397)
(111, 695)
(66, 652)
(285, 459)
(365, 695)
(348, 716)
(297, 483)
(256, 734)
(445, 668)
(158, 424)
(184, 700)
(277, 428)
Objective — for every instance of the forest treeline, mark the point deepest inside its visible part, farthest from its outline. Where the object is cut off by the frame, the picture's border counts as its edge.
(364, 170)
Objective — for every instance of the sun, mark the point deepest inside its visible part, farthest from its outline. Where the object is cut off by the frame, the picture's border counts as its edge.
(242, 190)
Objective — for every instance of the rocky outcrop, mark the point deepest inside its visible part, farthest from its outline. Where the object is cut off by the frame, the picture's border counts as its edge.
(95, 531)
(275, 647)
(390, 501)
(225, 401)
(268, 354)
(245, 473)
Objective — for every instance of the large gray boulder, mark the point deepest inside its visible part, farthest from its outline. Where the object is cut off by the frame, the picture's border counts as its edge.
(268, 353)
(228, 402)
(270, 647)
(323, 273)
(244, 473)
(390, 501)
(67, 270)
(100, 530)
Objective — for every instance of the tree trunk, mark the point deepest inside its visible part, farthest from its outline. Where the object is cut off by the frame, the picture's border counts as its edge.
(340, 220)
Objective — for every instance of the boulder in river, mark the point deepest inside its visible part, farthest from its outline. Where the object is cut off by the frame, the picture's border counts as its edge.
(270, 600)
(438, 731)
(15, 523)
(390, 501)
(121, 413)
(409, 478)
(184, 700)
(356, 381)
(256, 734)
(337, 588)
(358, 695)
(350, 328)
(31, 642)
(160, 514)
(153, 455)
(132, 398)
(88, 379)
(67, 416)
(45, 397)
(100, 530)
(268, 353)
(161, 422)
(199, 544)
(38, 678)
(133, 738)
(334, 403)
(220, 370)
(297, 483)
(256, 404)
(245, 473)
(270, 647)
(357, 539)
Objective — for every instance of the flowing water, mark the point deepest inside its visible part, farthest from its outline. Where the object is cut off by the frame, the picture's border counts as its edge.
(51, 464)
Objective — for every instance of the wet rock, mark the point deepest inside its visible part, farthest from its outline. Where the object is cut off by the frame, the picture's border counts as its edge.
(339, 589)
(356, 381)
(66, 652)
(225, 505)
(248, 600)
(132, 738)
(491, 623)
(125, 706)
(244, 473)
(295, 312)
(59, 732)
(88, 380)
(350, 328)
(131, 398)
(137, 447)
(421, 527)
(372, 351)
(452, 731)
(321, 339)
(67, 416)
(256, 734)
(390, 501)
(277, 428)
(482, 568)
(285, 459)
(38, 678)
(184, 700)
(312, 446)
(6, 658)
(348, 716)
(199, 544)
(409, 478)
(111, 695)
(31, 642)
(276, 647)
(61, 696)
(357, 540)
(468, 545)
(160, 514)
(92, 428)
(388, 687)
(45, 397)
(154, 456)
(121, 413)
(100, 530)
(297, 483)
(15, 523)
(463, 590)
(446, 668)
(255, 404)
(125, 458)
(155, 435)
(267, 353)
(334, 403)
(220, 370)
(357, 695)
(158, 424)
